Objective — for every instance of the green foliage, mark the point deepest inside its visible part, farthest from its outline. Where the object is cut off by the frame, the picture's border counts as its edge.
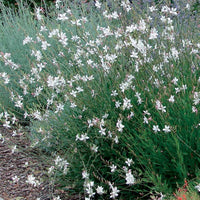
(115, 100)
(196, 7)
(13, 3)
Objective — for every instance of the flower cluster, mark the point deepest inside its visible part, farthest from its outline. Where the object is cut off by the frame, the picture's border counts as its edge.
(113, 97)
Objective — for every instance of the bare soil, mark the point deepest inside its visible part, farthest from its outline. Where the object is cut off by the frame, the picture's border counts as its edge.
(21, 163)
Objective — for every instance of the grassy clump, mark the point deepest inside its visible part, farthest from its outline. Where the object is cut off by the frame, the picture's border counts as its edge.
(111, 91)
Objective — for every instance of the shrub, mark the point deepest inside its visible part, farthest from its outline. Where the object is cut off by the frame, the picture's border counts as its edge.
(113, 94)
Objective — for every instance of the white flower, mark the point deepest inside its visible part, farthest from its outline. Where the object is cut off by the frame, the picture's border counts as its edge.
(131, 28)
(83, 137)
(73, 93)
(51, 169)
(174, 52)
(39, 17)
(184, 87)
(137, 94)
(194, 109)
(63, 39)
(45, 44)
(37, 115)
(130, 180)
(111, 58)
(145, 120)
(146, 112)
(196, 98)
(5, 76)
(85, 175)
(198, 187)
(142, 25)
(153, 34)
(113, 168)
(62, 17)
(177, 90)
(156, 128)
(173, 11)
(94, 148)
(116, 140)
(152, 8)
(59, 107)
(102, 131)
(159, 106)
(171, 99)
(114, 192)
(53, 33)
(119, 125)
(15, 179)
(165, 9)
(126, 104)
(73, 105)
(98, 4)
(76, 22)
(27, 40)
(19, 103)
(37, 54)
(43, 28)
(57, 3)
(89, 189)
(38, 91)
(31, 180)
(114, 15)
(134, 54)
(130, 115)
(79, 89)
(174, 81)
(105, 116)
(14, 148)
(114, 93)
(129, 161)
(187, 6)
(161, 196)
(57, 198)
(117, 104)
(166, 129)
(100, 190)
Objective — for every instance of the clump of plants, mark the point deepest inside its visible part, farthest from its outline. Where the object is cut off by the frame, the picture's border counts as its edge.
(112, 92)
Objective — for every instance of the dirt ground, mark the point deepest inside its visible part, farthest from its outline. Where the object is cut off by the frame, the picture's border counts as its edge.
(18, 164)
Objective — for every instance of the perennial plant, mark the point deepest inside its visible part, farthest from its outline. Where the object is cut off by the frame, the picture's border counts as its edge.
(112, 92)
